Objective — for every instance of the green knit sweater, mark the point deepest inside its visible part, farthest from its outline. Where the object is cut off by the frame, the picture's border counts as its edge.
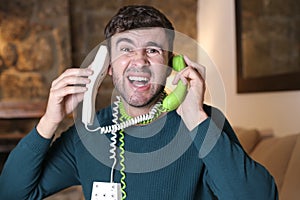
(163, 161)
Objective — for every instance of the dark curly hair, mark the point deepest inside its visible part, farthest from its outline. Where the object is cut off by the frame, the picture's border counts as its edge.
(138, 16)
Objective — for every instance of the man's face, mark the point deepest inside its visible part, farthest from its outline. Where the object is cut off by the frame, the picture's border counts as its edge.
(139, 64)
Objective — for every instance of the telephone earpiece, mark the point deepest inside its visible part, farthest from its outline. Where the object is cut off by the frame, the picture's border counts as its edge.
(175, 98)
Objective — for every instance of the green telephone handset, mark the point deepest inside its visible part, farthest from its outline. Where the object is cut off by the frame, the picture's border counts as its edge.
(175, 98)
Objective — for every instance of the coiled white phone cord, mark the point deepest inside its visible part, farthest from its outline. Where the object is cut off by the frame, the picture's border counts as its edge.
(113, 139)
(130, 122)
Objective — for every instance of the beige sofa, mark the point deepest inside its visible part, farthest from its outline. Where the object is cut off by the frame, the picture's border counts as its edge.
(280, 155)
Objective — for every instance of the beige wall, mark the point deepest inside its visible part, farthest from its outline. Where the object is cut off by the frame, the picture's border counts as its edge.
(277, 110)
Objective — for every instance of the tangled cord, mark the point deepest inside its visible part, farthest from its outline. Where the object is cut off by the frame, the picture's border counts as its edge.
(154, 113)
(125, 121)
(130, 122)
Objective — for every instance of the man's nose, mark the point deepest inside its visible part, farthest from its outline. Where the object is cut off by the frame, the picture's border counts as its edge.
(140, 58)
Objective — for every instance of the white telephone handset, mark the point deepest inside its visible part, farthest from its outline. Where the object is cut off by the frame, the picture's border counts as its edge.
(99, 66)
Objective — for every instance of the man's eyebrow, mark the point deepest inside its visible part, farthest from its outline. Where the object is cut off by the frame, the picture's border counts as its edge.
(124, 40)
(154, 44)
(150, 43)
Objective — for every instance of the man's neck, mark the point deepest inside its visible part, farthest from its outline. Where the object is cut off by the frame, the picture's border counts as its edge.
(134, 111)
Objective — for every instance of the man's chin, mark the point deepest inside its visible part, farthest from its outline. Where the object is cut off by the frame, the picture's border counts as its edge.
(138, 102)
(142, 99)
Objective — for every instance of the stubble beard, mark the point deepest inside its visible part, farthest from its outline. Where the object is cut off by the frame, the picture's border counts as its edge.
(136, 100)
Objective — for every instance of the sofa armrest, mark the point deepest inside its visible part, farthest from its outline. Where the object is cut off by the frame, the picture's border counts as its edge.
(291, 181)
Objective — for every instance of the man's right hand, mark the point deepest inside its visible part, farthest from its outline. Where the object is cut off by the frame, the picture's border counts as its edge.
(65, 94)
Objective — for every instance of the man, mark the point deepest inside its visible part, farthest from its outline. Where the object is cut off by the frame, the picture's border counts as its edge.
(188, 153)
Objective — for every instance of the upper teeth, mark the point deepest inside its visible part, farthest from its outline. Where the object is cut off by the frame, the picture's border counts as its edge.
(137, 78)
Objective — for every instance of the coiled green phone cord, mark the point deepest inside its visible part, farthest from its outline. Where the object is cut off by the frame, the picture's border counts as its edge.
(122, 159)
(124, 117)
(159, 109)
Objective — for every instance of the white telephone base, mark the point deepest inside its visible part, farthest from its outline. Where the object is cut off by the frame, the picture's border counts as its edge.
(106, 191)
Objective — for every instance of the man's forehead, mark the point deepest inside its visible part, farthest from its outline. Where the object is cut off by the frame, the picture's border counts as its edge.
(145, 35)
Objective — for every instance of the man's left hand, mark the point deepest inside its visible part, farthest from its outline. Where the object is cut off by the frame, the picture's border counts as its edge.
(191, 109)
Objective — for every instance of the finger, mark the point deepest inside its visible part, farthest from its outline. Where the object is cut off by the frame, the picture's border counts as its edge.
(79, 97)
(75, 99)
(61, 93)
(190, 76)
(200, 68)
(78, 72)
(179, 76)
(71, 81)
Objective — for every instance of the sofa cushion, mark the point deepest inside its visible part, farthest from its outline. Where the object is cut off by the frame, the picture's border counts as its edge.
(274, 153)
(247, 137)
(291, 181)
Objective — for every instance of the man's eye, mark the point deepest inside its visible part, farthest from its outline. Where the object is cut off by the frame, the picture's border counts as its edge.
(125, 49)
(153, 51)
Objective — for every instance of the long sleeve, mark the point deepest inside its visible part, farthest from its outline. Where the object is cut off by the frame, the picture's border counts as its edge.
(230, 172)
(32, 171)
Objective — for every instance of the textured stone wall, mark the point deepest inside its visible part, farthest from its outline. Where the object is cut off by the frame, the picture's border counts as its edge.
(39, 39)
(34, 47)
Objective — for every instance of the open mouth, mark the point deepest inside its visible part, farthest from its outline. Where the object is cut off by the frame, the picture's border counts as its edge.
(138, 81)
